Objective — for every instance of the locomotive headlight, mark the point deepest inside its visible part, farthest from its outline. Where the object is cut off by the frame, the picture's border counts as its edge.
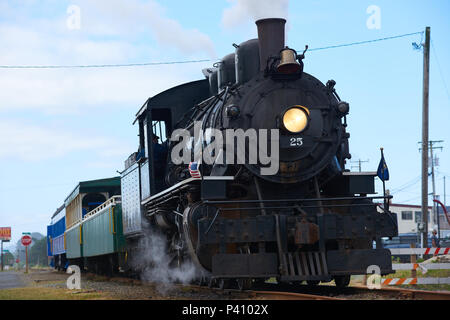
(296, 119)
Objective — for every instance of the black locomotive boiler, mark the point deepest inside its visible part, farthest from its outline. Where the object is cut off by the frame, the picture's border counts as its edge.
(312, 220)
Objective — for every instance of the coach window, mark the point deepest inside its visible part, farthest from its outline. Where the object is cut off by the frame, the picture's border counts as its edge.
(92, 201)
(407, 215)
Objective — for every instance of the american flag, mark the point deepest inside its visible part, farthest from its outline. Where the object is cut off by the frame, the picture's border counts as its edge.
(194, 170)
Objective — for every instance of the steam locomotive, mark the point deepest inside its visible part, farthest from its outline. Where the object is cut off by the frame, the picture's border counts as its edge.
(247, 206)
(310, 220)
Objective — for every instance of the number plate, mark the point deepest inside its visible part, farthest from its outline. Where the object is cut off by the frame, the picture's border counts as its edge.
(291, 142)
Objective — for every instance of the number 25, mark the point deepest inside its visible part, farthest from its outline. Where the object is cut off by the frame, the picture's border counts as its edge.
(296, 142)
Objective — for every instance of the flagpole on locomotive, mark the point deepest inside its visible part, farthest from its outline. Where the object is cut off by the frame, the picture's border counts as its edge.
(383, 174)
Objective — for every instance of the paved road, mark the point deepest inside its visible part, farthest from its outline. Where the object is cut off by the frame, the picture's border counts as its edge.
(10, 279)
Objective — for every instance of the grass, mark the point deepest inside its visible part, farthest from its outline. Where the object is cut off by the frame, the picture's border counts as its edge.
(38, 293)
(40, 267)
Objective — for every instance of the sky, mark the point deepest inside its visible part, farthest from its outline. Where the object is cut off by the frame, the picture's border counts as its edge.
(62, 126)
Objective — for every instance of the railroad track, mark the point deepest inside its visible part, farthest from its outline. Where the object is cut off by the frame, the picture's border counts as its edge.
(357, 292)
(408, 293)
(280, 295)
(267, 294)
(274, 291)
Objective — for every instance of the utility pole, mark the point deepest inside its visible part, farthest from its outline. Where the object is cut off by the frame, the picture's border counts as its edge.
(425, 100)
(359, 164)
(435, 215)
(445, 196)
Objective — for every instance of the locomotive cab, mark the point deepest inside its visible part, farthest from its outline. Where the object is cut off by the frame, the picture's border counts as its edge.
(145, 170)
(159, 116)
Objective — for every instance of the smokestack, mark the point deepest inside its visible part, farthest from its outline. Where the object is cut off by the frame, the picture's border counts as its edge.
(271, 39)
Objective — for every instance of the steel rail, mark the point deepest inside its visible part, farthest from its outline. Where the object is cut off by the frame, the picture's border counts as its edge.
(409, 293)
(281, 295)
(355, 289)
(273, 295)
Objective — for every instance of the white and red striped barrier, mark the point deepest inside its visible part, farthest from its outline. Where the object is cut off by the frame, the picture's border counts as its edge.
(414, 266)
(400, 251)
(406, 281)
(423, 266)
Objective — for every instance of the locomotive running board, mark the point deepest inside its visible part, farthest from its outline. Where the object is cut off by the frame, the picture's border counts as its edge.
(182, 184)
(305, 266)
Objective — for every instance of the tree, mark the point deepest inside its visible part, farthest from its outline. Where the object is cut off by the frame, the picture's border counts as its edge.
(8, 258)
(37, 254)
(37, 251)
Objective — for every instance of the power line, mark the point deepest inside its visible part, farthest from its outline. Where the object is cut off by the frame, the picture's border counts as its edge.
(366, 41)
(410, 192)
(411, 199)
(406, 185)
(106, 65)
(188, 61)
(440, 70)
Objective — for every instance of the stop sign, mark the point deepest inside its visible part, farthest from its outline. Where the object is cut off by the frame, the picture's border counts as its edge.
(26, 240)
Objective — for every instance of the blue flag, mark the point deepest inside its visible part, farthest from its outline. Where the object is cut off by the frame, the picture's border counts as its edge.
(383, 172)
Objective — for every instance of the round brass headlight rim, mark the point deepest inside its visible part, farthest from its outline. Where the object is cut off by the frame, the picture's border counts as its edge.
(296, 119)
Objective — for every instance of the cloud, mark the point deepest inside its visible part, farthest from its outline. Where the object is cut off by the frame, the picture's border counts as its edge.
(241, 11)
(114, 31)
(77, 90)
(125, 19)
(131, 17)
(66, 91)
(35, 143)
(101, 165)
